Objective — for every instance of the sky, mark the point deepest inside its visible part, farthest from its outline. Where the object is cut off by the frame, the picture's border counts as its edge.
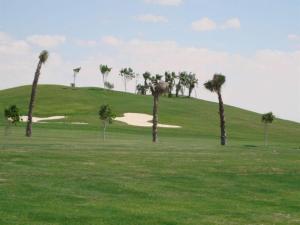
(254, 43)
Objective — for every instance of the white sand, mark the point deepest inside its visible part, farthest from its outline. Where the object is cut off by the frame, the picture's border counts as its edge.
(141, 120)
(46, 119)
(40, 119)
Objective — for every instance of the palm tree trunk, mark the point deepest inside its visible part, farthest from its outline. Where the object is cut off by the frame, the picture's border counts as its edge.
(103, 81)
(222, 119)
(178, 86)
(155, 117)
(266, 134)
(104, 130)
(190, 92)
(125, 84)
(32, 99)
(74, 80)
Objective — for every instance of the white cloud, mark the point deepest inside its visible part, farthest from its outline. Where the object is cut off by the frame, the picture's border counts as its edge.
(86, 43)
(152, 18)
(111, 40)
(204, 24)
(46, 41)
(266, 70)
(294, 37)
(233, 23)
(165, 2)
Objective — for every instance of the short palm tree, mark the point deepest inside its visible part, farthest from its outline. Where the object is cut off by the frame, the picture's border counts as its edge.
(157, 88)
(42, 59)
(75, 71)
(215, 85)
(266, 119)
(105, 70)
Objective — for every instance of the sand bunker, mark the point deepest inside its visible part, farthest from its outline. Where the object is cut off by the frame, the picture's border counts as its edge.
(141, 120)
(40, 119)
(47, 119)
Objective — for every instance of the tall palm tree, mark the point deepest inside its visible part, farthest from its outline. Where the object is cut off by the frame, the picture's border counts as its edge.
(157, 88)
(266, 119)
(127, 74)
(76, 71)
(42, 59)
(105, 70)
(215, 85)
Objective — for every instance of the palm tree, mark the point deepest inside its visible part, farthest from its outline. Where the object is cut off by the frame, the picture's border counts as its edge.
(42, 59)
(266, 119)
(170, 79)
(76, 71)
(191, 82)
(182, 78)
(215, 85)
(157, 88)
(127, 74)
(105, 70)
(145, 87)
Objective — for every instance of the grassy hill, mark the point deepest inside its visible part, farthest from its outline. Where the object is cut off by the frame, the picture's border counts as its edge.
(66, 175)
(198, 118)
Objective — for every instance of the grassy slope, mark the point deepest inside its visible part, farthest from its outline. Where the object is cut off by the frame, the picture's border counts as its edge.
(198, 118)
(66, 175)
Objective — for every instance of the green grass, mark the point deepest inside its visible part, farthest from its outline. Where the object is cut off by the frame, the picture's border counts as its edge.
(66, 174)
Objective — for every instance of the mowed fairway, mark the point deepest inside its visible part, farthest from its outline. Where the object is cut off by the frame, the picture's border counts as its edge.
(66, 174)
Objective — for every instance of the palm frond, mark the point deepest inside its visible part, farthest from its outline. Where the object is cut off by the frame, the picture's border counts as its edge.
(44, 56)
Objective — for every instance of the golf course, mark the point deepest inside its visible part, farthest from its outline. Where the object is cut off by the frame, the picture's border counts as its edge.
(67, 174)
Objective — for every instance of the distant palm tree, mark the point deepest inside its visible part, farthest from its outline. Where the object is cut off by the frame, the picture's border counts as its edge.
(215, 85)
(42, 59)
(127, 74)
(76, 71)
(105, 70)
(180, 86)
(191, 82)
(157, 88)
(170, 79)
(145, 87)
(266, 119)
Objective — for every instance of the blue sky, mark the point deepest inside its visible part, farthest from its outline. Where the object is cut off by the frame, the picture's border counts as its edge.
(256, 43)
(264, 23)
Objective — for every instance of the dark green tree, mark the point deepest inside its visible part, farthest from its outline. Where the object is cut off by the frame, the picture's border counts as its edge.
(106, 115)
(215, 85)
(267, 118)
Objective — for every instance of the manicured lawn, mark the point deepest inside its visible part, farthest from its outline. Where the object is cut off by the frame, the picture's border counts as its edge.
(65, 174)
(71, 177)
